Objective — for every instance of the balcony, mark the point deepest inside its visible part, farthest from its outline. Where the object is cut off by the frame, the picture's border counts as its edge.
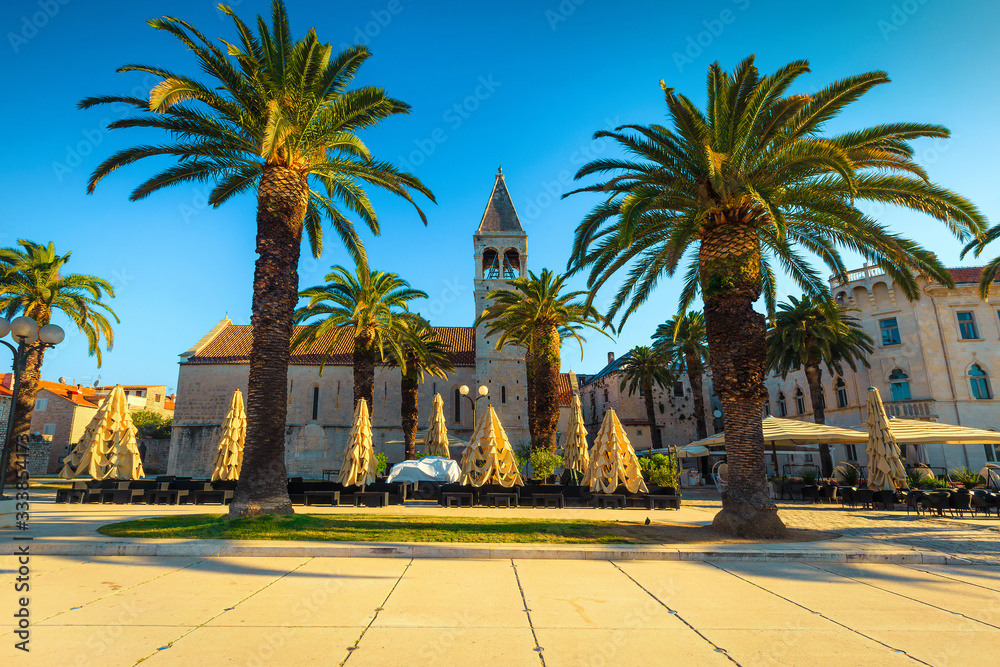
(912, 409)
(858, 274)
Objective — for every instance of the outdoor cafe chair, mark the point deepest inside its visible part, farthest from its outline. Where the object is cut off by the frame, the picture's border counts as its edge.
(865, 498)
(960, 502)
(846, 495)
(828, 493)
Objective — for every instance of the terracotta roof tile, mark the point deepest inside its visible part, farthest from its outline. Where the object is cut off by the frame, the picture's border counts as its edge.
(69, 392)
(970, 274)
(232, 346)
(565, 389)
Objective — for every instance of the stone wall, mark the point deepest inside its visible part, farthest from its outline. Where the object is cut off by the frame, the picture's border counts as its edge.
(155, 455)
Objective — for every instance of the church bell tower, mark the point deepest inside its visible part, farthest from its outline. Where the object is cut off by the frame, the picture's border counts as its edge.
(501, 254)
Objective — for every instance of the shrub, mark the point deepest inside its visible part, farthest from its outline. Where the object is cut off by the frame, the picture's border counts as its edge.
(660, 469)
(809, 475)
(381, 462)
(932, 483)
(966, 477)
(151, 424)
(848, 474)
(544, 462)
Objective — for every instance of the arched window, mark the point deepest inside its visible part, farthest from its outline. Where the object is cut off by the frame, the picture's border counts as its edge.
(511, 264)
(980, 381)
(782, 406)
(800, 401)
(899, 385)
(491, 264)
(458, 406)
(605, 395)
(841, 393)
(315, 403)
(767, 409)
(503, 394)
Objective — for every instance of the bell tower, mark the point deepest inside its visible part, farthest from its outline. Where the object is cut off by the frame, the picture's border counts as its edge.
(501, 254)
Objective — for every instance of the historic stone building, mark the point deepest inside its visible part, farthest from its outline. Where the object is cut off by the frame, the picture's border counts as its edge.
(320, 405)
(673, 406)
(935, 359)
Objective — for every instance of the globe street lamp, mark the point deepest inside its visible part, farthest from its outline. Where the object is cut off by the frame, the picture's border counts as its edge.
(25, 331)
(484, 392)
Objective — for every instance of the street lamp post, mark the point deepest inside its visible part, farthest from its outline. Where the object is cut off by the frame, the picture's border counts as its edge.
(484, 392)
(24, 331)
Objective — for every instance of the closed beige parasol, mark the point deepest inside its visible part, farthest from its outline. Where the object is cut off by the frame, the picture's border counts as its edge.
(884, 466)
(489, 458)
(229, 457)
(359, 467)
(613, 462)
(108, 449)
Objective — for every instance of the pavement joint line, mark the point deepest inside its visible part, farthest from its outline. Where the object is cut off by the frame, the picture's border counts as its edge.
(539, 649)
(905, 597)
(823, 616)
(677, 614)
(191, 629)
(120, 590)
(944, 576)
(378, 610)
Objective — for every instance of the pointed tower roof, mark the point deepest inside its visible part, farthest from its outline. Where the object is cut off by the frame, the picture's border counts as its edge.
(500, 215)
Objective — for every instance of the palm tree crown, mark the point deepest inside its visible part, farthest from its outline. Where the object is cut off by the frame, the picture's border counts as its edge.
(367, 304)
(643, 369)
(992, 269)
(535, 314)
(33, 283)
(420, 352)
(734, 193)
(810, 331)
(684, 342)
(273, 102)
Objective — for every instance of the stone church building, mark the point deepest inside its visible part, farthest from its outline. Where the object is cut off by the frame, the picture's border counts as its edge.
(320, 406)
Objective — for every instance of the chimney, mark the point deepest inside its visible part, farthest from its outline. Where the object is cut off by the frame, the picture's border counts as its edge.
(611, 357)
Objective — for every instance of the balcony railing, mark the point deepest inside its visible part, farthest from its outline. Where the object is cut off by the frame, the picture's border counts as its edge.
(919, 409)
(862, 274)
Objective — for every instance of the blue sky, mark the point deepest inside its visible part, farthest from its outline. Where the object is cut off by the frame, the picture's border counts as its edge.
(532, 81)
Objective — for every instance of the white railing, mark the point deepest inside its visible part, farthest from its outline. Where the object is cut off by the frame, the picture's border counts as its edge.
(911, 409)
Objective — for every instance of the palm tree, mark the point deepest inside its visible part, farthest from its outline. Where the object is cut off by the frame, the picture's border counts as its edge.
(370, 305)
(276, 119)
(741, 189)
(420, 352)
(641, 369)
(683, 342)
(992, 269)
(34, 284)
(537, 316)
(810, 333)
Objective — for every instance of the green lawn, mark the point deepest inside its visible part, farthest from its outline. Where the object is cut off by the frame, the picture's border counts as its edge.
(367, 528)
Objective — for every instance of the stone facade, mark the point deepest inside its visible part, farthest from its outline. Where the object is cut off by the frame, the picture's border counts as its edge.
(151, 397)
(674, 407)
(61, 415)
(924, 363)
(320, 405)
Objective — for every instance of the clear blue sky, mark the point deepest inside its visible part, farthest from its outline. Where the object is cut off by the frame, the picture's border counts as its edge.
(547, 75)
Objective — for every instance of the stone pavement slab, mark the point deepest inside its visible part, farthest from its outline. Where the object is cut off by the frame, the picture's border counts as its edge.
(572, 647)
(452, 646)
(292, 646)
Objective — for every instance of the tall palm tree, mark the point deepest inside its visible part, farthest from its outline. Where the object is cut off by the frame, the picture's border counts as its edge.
(741, 189)
(371, 306)
(683, 341)
(276, 119)
(992, 269)
(420, 352)
(34, 283)
(811, 333)
(536, 315)
(642, 369)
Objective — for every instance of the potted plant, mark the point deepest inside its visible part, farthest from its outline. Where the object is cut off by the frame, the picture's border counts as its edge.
(544, 462)
(848, 474)
(381, 463)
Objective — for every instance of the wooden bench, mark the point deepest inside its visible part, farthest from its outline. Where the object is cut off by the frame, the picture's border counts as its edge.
(555, 499)
(508, 499)
(604, 500)
(653, 501)
(456, 498)
(372, 498)
(317, 497)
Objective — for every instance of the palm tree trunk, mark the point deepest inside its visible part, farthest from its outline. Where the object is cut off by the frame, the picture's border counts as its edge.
(409, 413)
(282, 198)
(24, 407)
(697, 393)
(546, 346)
(731, 282)
(655, 438)
(529, 367)
(364, 371)
(814, 378)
